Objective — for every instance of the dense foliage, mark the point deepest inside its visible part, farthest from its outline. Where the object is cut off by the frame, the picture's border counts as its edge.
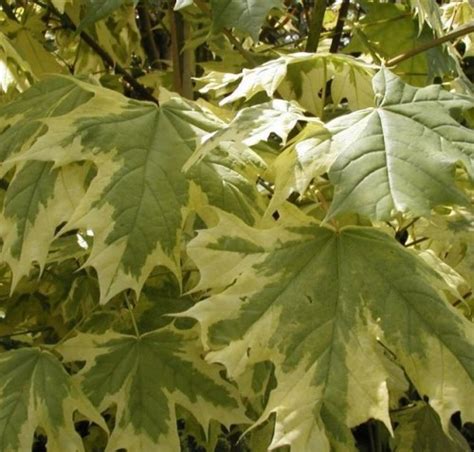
(234, 225)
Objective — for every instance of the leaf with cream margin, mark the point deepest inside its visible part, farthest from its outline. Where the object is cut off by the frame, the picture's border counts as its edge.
(36, 391)
(316, 302)
(137, 203)
(303, 77)
(252, 125)
(38, 199)
(146, 377)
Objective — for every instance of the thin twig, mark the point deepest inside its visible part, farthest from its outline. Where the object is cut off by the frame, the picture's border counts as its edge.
(104, 55)
(415, 242)
(316, 25)
(341, 18)
(266, 185)
(429, 45)
(146, 30)
(132, 316)
(30, 331)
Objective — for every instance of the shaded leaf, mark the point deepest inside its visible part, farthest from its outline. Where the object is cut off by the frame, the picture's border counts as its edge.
(146, 377)
(420, 429)
(245, 15)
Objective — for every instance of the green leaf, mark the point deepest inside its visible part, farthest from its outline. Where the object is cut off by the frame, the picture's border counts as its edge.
(244, 15)
(303, 77)
(101, 9)
(36, 392)
(419, 429)
(137, 203)
(401, 155)
(60, 5)
(317, 302)
(146, 377)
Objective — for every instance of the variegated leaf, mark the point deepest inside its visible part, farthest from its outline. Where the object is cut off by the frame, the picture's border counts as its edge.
(36, 392)
(146, 377)
(303, 77)
(137, 202)
(317, 302)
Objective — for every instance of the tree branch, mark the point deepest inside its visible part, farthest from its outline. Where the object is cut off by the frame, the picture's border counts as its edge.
(341, 18)
(429, 45)
(141, 90)
(148, 38)
(316, 25)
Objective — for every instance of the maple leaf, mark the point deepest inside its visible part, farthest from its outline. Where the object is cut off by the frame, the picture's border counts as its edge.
(303, 77)
(146, 377)
(36, 391)
(317, 302)
(137, 203)
(399, 156)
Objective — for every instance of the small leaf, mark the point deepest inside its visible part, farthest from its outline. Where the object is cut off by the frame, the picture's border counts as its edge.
(180, 4)
(252, 125)
(100, 9)
(247, 16)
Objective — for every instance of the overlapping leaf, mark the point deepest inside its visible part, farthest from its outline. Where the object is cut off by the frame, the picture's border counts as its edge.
(254, 124)
(397, 157)
(146, 377)
(303, 77)
(389, 30)
(420, 429)
(136, 204)
(316, 303)
(36, 392)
